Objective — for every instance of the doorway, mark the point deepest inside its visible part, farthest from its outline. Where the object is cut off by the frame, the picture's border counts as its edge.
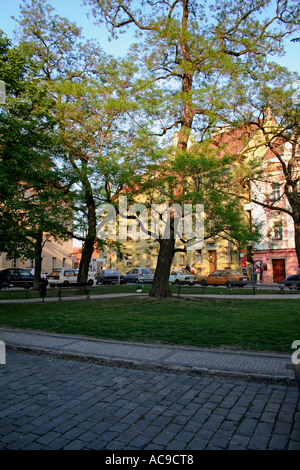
(212, 260)
(278, 269)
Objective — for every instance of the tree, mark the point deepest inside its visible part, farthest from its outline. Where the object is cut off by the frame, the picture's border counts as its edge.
(30, 188)
(94, 103)
(204, 58)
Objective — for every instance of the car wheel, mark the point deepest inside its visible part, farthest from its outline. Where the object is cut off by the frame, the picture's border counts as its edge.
(177, 282)
(293, 286)
(26, 285)
(90, 282)
(137, 281)
(203, 282)
(65, 283)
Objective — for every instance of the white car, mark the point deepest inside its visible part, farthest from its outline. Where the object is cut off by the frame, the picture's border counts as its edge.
(66, 276)
(181, 276)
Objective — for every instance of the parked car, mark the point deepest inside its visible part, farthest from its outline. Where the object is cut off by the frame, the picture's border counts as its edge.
(139, 275)
(66, 276)
(293, 281)
(109, 276)
(182, 276)
(91, 276)
(221, 278)
(15, 277)
(43, 273)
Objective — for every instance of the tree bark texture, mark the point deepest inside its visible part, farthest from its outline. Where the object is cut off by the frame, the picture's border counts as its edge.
(160, 287)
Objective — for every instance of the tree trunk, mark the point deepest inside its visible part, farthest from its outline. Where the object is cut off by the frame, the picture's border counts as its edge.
(38, 261)
(87, 252)
(90, 239)
(160, 287)
(297, 236)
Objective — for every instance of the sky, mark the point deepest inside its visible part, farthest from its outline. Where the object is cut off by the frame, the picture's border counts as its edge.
(74, 11)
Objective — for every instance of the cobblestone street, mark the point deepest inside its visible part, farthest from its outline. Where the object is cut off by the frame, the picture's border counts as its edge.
(51, 403)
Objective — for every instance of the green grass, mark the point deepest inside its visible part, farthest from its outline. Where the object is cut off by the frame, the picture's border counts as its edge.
(256, 324)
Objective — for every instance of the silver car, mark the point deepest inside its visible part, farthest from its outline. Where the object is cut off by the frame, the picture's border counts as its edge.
(139, 275)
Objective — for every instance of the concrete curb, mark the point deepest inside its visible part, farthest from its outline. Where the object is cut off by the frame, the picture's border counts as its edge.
(155, 367)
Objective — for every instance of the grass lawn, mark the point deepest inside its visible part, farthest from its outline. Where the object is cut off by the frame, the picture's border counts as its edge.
(256, 324)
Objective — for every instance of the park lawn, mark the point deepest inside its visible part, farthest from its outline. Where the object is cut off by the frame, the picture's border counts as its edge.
(261, 325)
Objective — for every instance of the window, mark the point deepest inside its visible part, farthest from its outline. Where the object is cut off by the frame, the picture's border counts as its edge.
(53, 263)
(24, 273)
(198, 257)
(277, 230)
(128, 260)
(129, 233)
(64, 262)
(14, 263)
(275, 193)
(13, 272)
(182, 259)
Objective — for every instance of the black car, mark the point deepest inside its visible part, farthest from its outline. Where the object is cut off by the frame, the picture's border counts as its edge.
(109, 276)
(15, 277)
(293, 281)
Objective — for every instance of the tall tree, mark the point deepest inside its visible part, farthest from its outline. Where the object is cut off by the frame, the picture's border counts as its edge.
(204, 57)
(94, 103)
(31, 204)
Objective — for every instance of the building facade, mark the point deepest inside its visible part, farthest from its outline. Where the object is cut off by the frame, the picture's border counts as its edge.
(55, 255)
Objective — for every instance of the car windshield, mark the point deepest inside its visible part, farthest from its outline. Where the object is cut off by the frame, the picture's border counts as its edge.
(55, 272)
(235, 273)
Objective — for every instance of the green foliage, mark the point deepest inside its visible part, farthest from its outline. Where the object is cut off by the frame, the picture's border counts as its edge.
(30, 187)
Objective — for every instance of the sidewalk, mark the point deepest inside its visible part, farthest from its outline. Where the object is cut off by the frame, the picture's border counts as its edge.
(256, 296)
(250, 366)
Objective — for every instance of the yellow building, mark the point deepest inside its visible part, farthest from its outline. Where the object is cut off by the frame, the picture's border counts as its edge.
(143, 251)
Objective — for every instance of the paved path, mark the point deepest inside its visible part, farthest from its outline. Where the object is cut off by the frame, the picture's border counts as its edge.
(284, 296)
(70, 392)
(56, 404)
(80, 393)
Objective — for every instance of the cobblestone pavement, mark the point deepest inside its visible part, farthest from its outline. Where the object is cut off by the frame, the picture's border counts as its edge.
(51, 403)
